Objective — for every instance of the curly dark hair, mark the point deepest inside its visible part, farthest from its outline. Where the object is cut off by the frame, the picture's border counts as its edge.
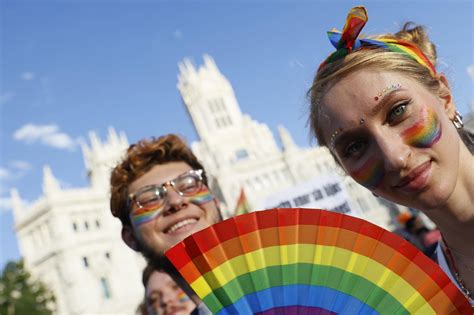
(140, 158)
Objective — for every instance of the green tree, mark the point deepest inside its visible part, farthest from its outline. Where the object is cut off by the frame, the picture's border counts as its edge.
(21, 294)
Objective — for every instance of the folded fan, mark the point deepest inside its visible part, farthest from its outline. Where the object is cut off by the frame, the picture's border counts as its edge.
(308, 261)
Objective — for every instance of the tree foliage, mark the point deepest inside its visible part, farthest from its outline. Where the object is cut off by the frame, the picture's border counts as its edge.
(21, 294)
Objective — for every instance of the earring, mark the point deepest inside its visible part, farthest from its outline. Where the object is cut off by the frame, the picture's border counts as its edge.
(457, 121)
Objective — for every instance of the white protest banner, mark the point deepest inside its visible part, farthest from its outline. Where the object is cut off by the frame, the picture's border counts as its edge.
(323, 192)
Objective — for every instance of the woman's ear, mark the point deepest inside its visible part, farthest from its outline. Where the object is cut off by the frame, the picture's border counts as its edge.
(446, 97)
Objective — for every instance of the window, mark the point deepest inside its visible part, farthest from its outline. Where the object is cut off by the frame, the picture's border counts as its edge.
(107, 255)
(86, 225)
(97, 223)
(105, 288)
(241, 154)
(85, 261)
(74, 226)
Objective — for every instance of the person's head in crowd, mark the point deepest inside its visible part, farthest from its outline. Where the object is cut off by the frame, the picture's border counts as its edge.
(388, 118)
(160, 194)
(411, 222)
(162, 295)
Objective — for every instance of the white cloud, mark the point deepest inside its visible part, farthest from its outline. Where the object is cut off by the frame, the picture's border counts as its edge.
(5, 204)
(4, 173)
(295, 63)
(46, 134)
(6, 97)
(470, 71)
(27, 76)
(21, 165)
(178, 34)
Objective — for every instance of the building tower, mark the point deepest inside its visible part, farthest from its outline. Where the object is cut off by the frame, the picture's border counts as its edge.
(242, 153)
(69, 240)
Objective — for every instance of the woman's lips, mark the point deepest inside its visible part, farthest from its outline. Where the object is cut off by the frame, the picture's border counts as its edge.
(417, 179)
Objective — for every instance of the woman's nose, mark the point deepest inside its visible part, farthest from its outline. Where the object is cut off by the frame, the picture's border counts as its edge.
(394, 152)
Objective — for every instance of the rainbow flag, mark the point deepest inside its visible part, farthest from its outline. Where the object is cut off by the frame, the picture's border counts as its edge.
(242, 206)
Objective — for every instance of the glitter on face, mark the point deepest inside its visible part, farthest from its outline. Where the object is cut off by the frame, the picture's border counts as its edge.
(387, 89)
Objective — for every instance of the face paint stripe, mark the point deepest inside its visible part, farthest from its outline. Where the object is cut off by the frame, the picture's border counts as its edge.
(425, 132)
(144, 215)
(202, 197)
(182, 297)
(370, 174)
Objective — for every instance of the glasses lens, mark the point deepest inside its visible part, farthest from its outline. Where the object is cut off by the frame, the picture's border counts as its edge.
(150, 198)
(188, 184)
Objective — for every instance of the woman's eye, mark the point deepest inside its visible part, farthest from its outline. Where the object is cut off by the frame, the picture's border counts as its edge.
(397, 112)
(354, 148)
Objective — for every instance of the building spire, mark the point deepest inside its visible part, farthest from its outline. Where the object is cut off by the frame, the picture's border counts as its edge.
(286, 139)
(50, 183)
(17, 204)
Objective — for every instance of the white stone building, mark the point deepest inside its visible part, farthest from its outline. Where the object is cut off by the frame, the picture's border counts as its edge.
(69, 239)
(242, 153)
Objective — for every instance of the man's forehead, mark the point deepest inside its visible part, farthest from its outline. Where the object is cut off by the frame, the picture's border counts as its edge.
(161, 173)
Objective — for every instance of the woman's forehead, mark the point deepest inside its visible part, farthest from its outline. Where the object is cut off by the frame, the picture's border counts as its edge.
(361, 91)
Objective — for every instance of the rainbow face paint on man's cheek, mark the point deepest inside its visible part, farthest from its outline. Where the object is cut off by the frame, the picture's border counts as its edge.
(425, 132)
(141, 216)
(144, 215)
(201, 197)
(370, 174)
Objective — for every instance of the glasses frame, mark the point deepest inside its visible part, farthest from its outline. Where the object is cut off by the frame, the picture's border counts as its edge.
(132, 197)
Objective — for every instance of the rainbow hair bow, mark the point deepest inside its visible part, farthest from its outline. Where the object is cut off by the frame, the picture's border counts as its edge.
(347, 41)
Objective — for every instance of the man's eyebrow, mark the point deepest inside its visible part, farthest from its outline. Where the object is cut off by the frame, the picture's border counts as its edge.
(383, 102)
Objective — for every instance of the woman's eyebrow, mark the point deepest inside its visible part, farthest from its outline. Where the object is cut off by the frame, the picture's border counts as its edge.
(383, 102)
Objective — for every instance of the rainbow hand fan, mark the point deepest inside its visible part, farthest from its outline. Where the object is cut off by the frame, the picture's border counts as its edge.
(306, 261)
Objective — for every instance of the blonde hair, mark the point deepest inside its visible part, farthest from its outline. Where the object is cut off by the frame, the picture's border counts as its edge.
(376, 59)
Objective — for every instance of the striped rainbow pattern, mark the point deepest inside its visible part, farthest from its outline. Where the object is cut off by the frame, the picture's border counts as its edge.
(201, 197)
(347, 41)
(370, 174)
(425, 132)
(144, 215)
(304, 260)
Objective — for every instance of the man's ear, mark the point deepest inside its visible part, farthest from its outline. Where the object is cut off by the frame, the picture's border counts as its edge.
(129, 238)
(446, 97)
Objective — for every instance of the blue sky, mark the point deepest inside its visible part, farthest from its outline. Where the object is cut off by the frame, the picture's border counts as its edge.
(70, 67)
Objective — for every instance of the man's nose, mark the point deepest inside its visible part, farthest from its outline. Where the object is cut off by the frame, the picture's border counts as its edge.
(174, 200)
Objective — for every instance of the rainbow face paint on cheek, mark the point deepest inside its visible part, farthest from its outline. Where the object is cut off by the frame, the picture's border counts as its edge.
(371, 173)
(142, 216)
(425, 132)
(182, 297)
(201, 197)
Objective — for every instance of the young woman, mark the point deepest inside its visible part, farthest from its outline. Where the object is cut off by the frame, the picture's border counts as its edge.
(390, 121)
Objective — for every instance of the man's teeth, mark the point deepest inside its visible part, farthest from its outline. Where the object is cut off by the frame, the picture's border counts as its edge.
(180, 224)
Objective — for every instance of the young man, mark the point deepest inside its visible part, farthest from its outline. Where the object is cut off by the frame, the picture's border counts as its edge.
(160, 193)
(162, 295)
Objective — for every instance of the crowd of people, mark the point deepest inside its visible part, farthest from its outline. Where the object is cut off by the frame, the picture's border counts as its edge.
(388, 118)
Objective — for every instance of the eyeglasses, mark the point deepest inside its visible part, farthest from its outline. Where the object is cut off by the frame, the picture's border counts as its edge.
(153, 196)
